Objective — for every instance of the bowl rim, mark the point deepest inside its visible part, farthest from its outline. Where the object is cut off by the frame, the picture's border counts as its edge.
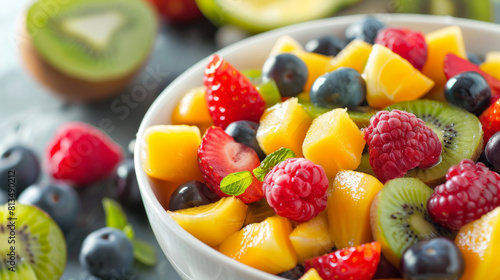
(147, 193)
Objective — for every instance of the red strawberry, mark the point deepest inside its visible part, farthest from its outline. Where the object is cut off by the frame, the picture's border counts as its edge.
(358, 263)
(490, 120)
(454, 65)
(219, 155)
(82, 154)
(230, 95)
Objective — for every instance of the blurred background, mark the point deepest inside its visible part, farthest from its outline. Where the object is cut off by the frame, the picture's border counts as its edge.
(31, 110)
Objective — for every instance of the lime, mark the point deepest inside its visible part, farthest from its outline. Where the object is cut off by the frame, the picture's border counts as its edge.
(261, 15)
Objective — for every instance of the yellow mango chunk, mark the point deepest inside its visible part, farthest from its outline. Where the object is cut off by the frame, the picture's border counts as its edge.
(311, 274)
(440, 43)
(334, 142)
(283, 125)
(349, 201)
(170, 152)
(192, 110)
(479, 242)
(312, 238)
(285, 43)
(212, 223)
(354, 55)
(391, 79)
(317, 65)
(264, 246)
(491, 65)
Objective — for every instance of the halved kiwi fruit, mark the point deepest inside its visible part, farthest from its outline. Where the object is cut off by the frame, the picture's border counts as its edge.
(87, 50)
(399, 217)
(31, 244)
(460, 133)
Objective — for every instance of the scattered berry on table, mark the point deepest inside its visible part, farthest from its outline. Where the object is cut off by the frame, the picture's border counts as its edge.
(407, 43)
(398, 141)
(492, 151)
(471, 190)
(81, 154)
(296, 189)
(490, 120)
(230, 95)
(365, 29)
(245, 132)
(358, 263)
(3, 197)
(24, 162)
(326, 45)
(219, 155)
(126, 185)
(106, 253)
(468, 90)
(288, 71)
(191, 194)
(437, 258)
(343, 87)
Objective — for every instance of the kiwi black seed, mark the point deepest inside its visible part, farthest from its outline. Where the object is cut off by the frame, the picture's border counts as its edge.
(460, 133)
(399, 217)
(32, 246)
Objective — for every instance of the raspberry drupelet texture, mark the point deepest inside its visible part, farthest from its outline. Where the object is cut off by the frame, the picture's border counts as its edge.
(471, 190)
(296, 189)
(409, 44)
(398, 141)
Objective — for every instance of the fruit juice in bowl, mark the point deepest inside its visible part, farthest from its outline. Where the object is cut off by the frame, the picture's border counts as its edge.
(330, 145)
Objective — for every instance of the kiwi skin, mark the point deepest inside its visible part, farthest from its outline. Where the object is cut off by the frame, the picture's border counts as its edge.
(70, 89)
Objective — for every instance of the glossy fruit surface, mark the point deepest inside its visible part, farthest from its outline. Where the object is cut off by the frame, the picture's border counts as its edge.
(192, 110)
(492, 151)
(468, 90)
(365, 29)
(288, 71)
(58, 200)
(326, 45)
(343, 87)
(107, 252)
(407, 43)
(490, 120)
(21, 163)
(245, 132)
(191, 194)
(125, 184)
(436, 259)
(354, 55)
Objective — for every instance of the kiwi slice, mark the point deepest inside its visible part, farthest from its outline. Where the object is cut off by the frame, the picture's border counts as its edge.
(399, 217)
(460, 133)
(89, 40)
(34, 241)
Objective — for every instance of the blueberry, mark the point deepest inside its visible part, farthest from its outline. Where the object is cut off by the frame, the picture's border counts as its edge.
(365, 30)
(191, 194)
(3, 197)
(468, 90)
(326, 45)
(472, 57)
(492, 151)
(59, 200)
(288, 71)
(343, 87)
(436, 259)
(126, 185)
(244, 132)
(20, 165)
(107, 253)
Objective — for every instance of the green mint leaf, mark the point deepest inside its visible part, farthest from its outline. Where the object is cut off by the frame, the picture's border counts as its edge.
(236, 183)
(129, 231)
(144, 252)
(115, 217)
(271, 161)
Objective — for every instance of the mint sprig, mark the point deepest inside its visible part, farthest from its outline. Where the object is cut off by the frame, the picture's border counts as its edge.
(271, 161)
(236, 183)
(116, 218)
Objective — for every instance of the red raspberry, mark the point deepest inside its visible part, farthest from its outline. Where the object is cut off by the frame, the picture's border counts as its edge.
(82, 154)
(409, 44)
(490, 120)
(230, 95)
(296, 189)
(398, 141)
(358, 263)
(471, 190)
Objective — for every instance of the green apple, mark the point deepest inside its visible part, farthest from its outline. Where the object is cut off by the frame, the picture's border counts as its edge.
(261, 15)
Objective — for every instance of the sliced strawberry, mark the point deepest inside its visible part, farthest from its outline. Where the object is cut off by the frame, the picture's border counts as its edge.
(358, 263)
(490, 120)
(454, 65)
(219, 155)
(230, 95)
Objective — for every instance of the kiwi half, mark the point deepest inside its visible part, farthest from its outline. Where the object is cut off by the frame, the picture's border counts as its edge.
(88, 49)
(34, 242)
(460, 133)
(399, 217)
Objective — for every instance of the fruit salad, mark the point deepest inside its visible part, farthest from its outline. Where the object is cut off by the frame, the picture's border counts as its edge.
(369, 156)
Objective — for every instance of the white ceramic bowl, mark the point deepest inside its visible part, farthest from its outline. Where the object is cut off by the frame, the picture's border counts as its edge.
(191, 258)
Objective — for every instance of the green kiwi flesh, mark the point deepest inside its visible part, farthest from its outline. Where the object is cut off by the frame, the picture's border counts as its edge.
(399, 217)
(460, 133)
(39, 249)
(360, 115)
(93, 40)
